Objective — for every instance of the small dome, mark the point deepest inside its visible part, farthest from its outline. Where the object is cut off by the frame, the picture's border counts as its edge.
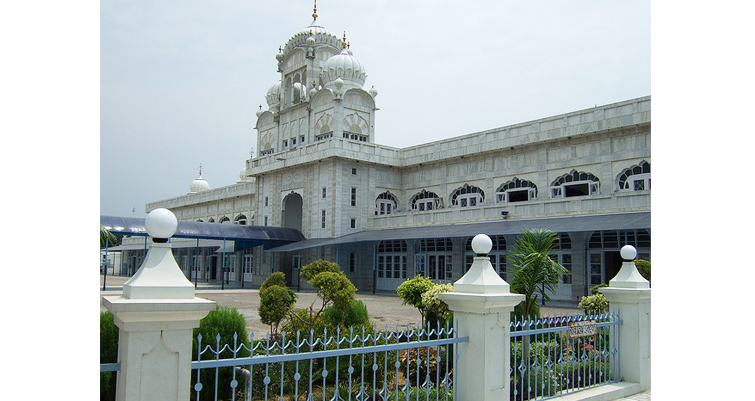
(345, 66)
(273, 94)
(199, 184)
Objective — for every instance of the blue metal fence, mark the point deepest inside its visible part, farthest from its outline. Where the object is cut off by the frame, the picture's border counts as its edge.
(361, 365)
(554, 356)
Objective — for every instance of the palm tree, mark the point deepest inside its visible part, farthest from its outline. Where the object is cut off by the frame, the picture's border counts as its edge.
(535, 271)
(107, 238)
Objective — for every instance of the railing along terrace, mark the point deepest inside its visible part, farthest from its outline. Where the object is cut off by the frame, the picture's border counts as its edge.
(361, 364)
(554, 356)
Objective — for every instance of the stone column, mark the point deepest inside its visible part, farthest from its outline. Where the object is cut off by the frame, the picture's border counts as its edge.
(156, 314)
(481, 303)
(628, 294)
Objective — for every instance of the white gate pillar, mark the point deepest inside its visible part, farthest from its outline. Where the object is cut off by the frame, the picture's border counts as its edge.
(156, 314)
(481, 303)
(628, 294)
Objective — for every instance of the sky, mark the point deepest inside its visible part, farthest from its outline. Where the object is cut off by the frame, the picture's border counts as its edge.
(181, 81)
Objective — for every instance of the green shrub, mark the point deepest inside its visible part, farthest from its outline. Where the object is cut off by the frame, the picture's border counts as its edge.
(594, 290)
(108, 354)
(437, 310)
(643, 266)
(594, 304)
(355, 314)
(225, 322)
(540, 382)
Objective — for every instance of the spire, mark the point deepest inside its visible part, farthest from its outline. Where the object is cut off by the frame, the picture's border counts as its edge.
(200, 170)
(344, 43)
(314, 14)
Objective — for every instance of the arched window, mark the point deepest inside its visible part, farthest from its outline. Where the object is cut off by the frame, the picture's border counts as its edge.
(425, 200)
(240, 220)
(635, 178)
(516, 190)
(575, 183)
(211, 220)
(385, 203)
(467, 196)
(225, 220)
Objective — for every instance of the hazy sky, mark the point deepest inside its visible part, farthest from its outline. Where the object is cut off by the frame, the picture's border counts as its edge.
(180, 81)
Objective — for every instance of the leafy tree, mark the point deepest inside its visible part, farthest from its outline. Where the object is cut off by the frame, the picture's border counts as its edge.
(276, 300)
(535, 271)
(410, 292)
(332, 286)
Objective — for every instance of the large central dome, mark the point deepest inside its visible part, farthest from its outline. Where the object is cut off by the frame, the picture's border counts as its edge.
(321, 36)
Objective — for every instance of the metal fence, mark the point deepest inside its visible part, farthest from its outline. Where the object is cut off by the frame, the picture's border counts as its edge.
(360, 364)
(554, 356)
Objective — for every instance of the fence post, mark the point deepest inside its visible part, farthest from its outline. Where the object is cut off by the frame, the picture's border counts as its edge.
(629, 294)
(481, 303)
(156, 314)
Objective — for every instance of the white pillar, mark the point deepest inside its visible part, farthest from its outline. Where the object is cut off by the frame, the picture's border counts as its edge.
(628, 294)
(156, 314)
(481, 303)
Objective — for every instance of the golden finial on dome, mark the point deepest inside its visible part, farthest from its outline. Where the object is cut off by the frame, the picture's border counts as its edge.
(314, 15)
(343, 43)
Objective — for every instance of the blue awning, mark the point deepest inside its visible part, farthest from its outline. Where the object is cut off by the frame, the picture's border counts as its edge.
(583, 223)
(244, 236)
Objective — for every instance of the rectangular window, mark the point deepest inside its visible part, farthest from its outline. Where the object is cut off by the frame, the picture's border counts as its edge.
(354, 171)
(353, 196)
(265, 220)
(352, 262)
(323, 219)
(566, 263)
(595, 269)
(266, 199)
(576, 190)
(324, 192)
(353, 223)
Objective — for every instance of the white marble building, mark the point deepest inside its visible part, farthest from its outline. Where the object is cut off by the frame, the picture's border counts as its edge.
(385, 214)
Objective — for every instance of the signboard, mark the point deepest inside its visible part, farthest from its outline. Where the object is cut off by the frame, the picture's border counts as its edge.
(583, 329)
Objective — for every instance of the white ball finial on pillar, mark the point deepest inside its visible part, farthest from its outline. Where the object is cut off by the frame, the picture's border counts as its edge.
(159, 276)
(482, 244)
(629, 276)
(628, 252)
(161, 224)
(481, 277)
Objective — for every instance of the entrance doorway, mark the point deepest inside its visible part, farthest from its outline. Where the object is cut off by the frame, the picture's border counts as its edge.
(214, 267)
(291, 215)
(613, 263)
